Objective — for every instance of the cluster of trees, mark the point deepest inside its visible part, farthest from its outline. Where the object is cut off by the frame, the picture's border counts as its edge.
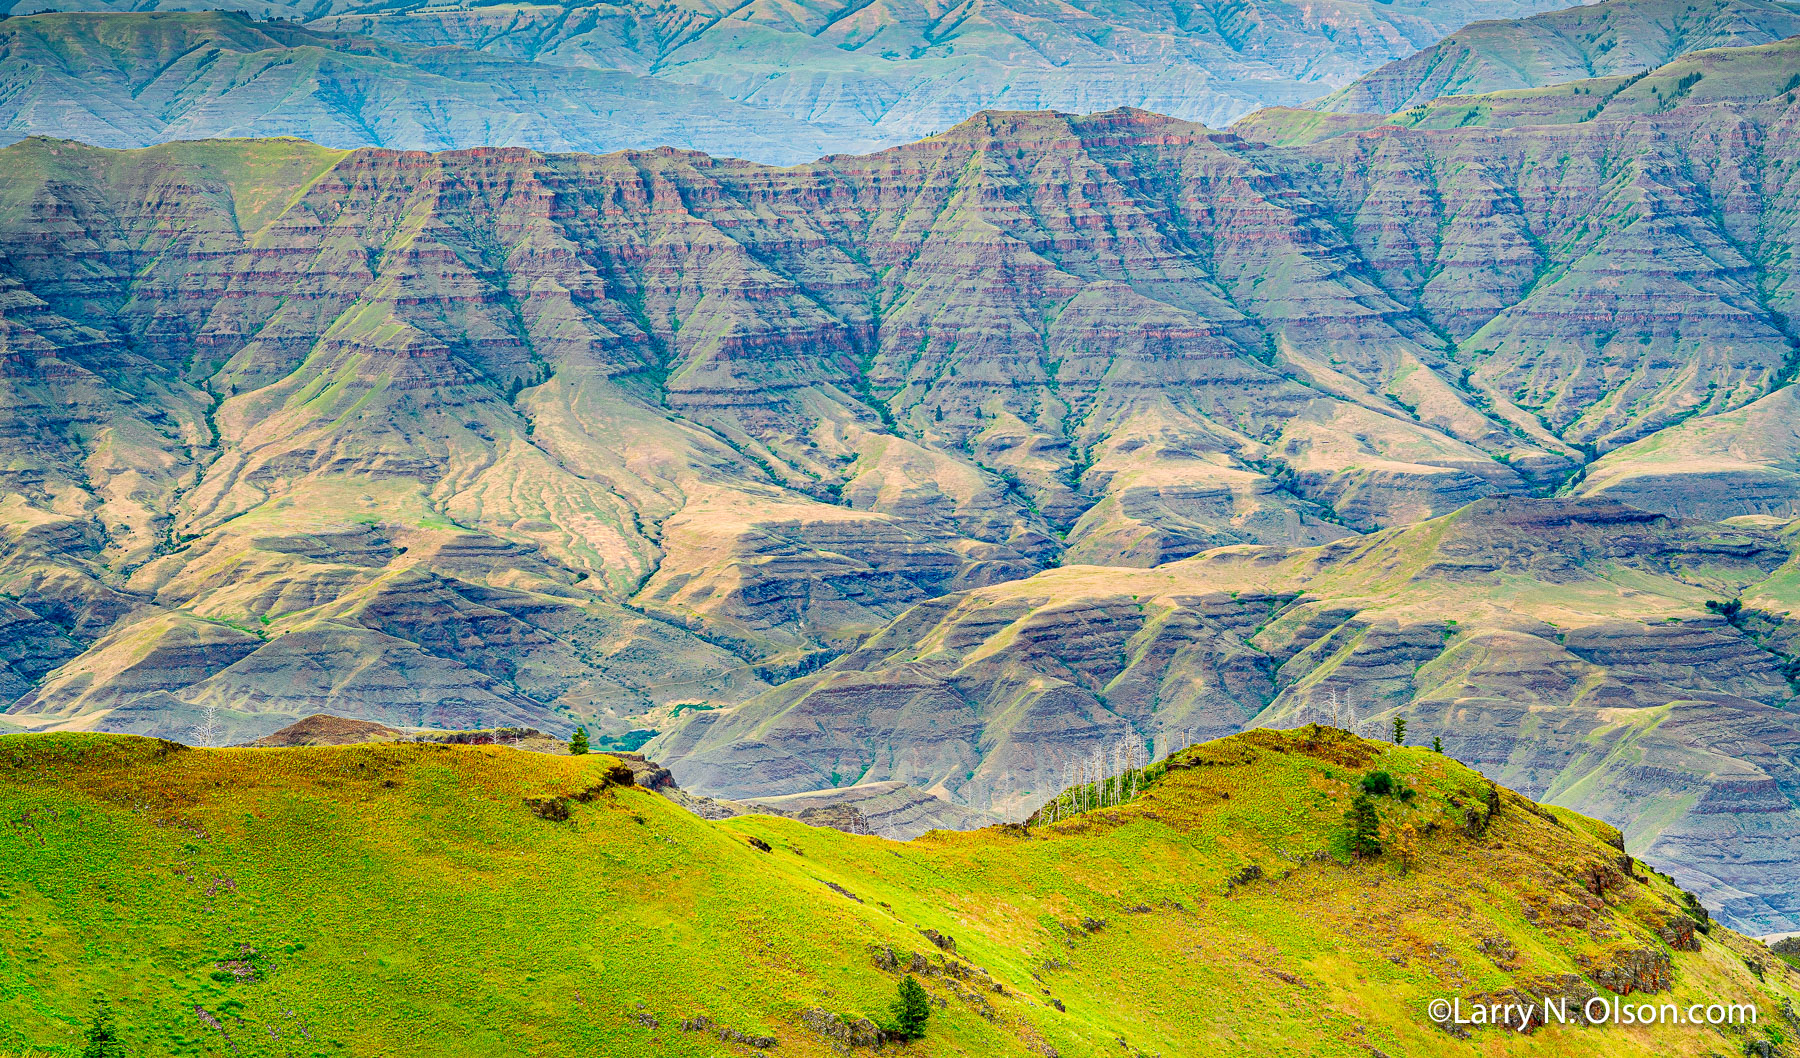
(1367, 840)
(1111, 776)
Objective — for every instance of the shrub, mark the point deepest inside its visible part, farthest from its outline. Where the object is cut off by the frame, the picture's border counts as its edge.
(911, 1010)
(1378, 783)
(1405, 846)
(578, 742)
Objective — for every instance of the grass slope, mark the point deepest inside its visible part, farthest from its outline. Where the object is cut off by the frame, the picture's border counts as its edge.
(406, 899)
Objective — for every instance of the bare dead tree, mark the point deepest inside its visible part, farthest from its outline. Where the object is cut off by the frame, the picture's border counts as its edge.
(206, 732)
(1109, 776)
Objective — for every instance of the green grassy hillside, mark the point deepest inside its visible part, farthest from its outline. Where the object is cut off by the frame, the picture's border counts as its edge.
(424, 899)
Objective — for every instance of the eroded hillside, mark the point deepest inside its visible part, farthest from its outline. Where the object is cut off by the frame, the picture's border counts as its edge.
(656, 416)
(134, 80)
(1611, 38)
(793, 81)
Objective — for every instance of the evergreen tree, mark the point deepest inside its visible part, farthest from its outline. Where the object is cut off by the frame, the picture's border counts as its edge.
(1437, 745)
(578, 743)
(102, 1038)
(1365, 826)
(911, 1010)
(1399, 730)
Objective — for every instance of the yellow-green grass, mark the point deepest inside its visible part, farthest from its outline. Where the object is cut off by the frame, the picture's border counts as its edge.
(405, 899)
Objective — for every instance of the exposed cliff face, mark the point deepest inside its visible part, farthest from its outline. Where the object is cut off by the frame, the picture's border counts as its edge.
(1701, 328)
(1596, 40)
(1562, 646)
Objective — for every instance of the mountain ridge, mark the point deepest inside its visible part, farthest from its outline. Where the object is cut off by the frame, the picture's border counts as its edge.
(1529, 638)
(156, 78)
(779, 83)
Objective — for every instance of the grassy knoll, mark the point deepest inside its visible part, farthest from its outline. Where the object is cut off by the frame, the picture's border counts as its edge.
(410, 899)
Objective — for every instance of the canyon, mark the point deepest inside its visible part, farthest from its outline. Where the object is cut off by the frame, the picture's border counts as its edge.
(941, 465)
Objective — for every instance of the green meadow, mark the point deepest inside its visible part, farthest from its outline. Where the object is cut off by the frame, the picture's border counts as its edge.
(422, 899)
